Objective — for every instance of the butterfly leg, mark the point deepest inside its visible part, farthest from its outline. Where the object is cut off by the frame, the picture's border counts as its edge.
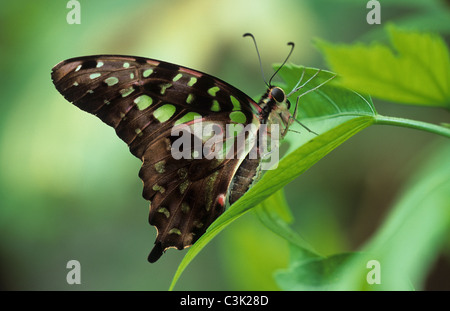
(294, 115)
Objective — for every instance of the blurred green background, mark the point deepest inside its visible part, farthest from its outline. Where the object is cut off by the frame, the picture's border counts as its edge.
(69, 187)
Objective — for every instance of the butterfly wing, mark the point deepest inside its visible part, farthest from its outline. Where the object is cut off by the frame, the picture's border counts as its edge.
(144, 100)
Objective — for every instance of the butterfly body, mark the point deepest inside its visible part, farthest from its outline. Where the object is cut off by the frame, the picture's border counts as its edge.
(144, 100)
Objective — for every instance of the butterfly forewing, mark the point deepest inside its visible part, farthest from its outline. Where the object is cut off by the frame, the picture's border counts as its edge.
(143, 100)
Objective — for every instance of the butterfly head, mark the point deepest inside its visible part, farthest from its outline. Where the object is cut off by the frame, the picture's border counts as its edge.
(274, 104)
(276, 107)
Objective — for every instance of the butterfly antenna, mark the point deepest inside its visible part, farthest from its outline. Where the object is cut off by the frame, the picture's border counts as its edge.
(259, 57)
(290, 52)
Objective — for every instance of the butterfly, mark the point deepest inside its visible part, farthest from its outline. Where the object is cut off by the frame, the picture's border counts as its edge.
(144, 100)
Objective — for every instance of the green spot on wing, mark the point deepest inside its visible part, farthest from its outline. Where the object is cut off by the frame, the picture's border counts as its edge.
(212, 91)
(127, 91)
(175, 231)
(111, 81)
(160, 166)
(238, 117)
(143, 102)
(192, 81)
(94, 75)
(188, 117)
(195, 154)
(215, 106)
(164, 211)
(198, 224)
(177, 77)
(236, 103)
(182, 172)
(235, 129)
(189, 99)
(164, 87)
(147, 73)
(185, 208)
(164, 113)
(157, 187)
(184, 186)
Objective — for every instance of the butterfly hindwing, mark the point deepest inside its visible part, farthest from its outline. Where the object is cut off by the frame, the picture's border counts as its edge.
(185, 194)
(143, 100)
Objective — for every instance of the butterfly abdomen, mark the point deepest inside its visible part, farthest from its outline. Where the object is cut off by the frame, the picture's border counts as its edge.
(246, 175)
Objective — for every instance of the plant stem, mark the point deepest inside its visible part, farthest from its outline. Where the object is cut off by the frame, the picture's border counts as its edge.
(418, 125)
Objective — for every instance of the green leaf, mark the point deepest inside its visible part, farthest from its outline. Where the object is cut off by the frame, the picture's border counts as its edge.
(250, 254)
(413, 234)
(405, 246)
(271, 212)
(277, 206)
(346, 113)
(326, 107)
(414, 70)
(313, 274)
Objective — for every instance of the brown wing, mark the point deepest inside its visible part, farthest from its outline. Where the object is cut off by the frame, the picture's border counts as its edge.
(143, 100)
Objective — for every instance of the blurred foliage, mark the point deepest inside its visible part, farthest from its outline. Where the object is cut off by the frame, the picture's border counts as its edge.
(69, 188)
(416, 72)
(411, 238)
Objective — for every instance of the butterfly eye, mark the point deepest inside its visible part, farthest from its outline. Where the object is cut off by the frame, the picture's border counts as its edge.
(278, 94)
